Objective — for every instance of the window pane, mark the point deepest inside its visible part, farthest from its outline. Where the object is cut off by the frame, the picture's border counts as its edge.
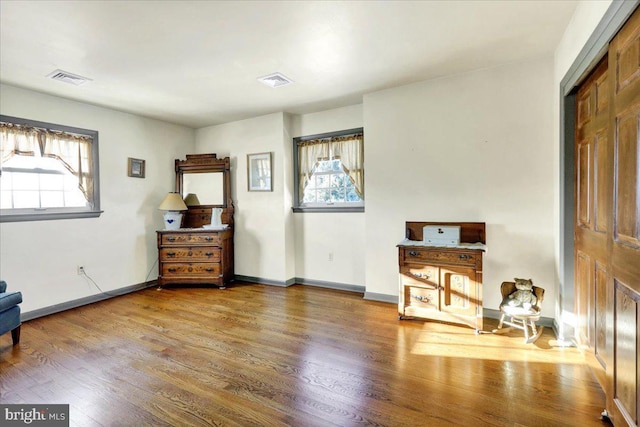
(338, 180)
(309, 196)
(322, 181)
(51, 182)
(337, 195)
(51, 199)
(5, 200)
(74, 199)
(352, 196)
(26, 199)
(324, 196)
(26, 181)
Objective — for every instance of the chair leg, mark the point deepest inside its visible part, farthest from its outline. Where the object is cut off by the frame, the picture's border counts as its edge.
(15, 335)
(501, 321)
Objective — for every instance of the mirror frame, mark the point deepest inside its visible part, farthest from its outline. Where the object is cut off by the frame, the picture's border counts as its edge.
(203, 163)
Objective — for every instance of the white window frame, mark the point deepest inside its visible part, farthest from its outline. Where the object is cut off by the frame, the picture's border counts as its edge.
(42, 214)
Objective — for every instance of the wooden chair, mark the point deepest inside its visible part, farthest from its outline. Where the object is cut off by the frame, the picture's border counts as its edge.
(520, 317)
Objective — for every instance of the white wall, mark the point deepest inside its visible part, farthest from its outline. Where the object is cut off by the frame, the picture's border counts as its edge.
(261, 223)
(470, 147)
(341, 234)
(118, 249)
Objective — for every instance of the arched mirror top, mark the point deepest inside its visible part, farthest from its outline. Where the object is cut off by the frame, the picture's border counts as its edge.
(204, 181)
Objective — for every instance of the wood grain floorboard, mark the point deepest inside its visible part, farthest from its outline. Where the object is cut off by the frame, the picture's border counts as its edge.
(255, 355)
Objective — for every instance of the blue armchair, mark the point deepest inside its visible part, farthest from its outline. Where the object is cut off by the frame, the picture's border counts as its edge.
(10, 312)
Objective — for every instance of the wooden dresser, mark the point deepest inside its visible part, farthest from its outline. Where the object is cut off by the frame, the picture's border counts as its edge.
(442, 283)
(195, 256)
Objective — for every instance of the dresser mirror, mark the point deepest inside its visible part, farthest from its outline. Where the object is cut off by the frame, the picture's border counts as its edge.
(205, 181)
(208, 187)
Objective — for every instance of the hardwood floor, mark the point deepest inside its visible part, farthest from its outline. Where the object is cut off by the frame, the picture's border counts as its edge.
(255, 355)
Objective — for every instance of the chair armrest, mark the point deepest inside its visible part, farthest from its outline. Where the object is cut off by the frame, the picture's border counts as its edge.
(3, 286)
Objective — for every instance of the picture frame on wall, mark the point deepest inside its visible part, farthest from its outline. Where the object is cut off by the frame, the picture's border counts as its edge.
(136, 168)
(259, 172)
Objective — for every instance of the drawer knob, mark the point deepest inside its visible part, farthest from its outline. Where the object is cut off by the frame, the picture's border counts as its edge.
(208, 238)
(413, 253)
(464, 256)
(190, 253)
(172, 270)
(422, 298)
(209, 269)
(208, 253)
(171, 254)
(171, 239)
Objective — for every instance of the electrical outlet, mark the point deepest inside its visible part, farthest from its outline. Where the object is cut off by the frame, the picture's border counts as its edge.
(80, 270)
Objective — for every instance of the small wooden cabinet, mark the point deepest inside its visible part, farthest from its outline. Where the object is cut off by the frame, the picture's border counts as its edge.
(195, 256)
(442, 283)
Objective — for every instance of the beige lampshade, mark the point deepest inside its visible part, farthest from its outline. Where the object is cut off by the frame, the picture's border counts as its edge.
(172, 202)
(191, 200)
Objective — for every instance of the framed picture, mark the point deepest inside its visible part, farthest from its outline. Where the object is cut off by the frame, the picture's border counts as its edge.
(136, 168)
(259, 176)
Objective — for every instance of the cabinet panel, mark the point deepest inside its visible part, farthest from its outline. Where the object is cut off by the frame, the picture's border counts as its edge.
(459, 291)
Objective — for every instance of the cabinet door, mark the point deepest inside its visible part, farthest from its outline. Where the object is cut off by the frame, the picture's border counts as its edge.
(458, 293)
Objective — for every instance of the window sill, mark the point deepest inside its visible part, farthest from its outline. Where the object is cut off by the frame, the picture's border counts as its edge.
(48, 216)
(328, 210)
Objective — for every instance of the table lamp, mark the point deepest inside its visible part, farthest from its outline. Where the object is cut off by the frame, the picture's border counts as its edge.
(172, 204)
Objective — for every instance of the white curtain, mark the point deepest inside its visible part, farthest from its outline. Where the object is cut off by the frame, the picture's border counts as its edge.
(20, 140)
(350, 151)
(309, 152)
(74, 151)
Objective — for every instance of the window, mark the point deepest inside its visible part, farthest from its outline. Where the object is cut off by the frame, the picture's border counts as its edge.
(329, 172)
(48, 171)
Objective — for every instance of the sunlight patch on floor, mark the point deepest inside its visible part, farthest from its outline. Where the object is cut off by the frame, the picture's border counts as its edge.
(453, 341)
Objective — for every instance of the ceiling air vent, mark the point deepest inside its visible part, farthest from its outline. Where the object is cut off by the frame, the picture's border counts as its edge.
(67, 77)
(275, 80)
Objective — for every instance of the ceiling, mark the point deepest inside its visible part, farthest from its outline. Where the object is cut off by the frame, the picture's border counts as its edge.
(196, 63)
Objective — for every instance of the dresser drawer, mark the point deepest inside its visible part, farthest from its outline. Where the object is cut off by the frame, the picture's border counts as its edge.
(419, 274)
(196, 253)
(191, 269)
(419, 255)
(199, 238)
(421, 297)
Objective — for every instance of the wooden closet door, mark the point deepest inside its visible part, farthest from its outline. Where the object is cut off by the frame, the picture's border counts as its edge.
(623, 302)
(607, 230)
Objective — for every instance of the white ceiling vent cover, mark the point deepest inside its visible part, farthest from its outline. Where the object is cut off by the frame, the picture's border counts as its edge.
(67, 77)
(275, 80)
